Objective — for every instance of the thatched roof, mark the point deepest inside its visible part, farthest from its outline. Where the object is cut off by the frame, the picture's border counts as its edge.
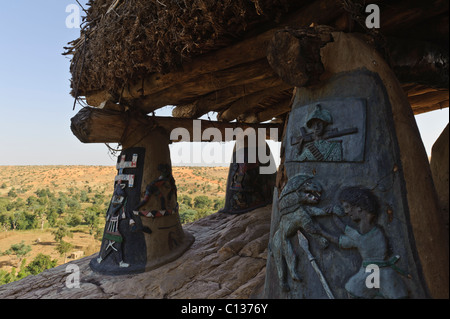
(128, 39)
(151, 53)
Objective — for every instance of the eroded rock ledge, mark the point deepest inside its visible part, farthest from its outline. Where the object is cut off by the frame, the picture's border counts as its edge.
(227, 260)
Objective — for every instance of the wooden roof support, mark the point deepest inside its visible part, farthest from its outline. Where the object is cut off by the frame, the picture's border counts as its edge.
(267, 114)
(408, 13)
(248, 102)
(93, 125)
(190, 91)
(220, 99)
(242, 53)
(203, 83)
(429, 101)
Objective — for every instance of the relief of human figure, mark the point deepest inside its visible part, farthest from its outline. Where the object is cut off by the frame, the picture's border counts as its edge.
(317, 147)
(370, 241)
(164, 189)
(116, 212)
(297, 207)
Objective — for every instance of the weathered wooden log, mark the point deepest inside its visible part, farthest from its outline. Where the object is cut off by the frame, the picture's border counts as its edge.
(408, 13)
(283, 54)
(188, 92)
(419, 62)
(417, 67)
(221, 98)
(249, 101)
(424, 98)
(92, 125)
(429, 101)
(266, 114)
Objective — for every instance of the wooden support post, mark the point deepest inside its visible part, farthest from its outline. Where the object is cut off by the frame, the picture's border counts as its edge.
(337, 74)
(143, 229)
(92, 125)
(346, 53)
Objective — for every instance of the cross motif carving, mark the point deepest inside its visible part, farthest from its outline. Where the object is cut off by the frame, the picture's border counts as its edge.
(124, 164)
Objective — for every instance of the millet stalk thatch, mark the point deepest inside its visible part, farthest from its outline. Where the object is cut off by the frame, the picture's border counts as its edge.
(200, 55)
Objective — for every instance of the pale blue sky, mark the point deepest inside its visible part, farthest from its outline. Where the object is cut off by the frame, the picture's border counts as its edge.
(35, 104)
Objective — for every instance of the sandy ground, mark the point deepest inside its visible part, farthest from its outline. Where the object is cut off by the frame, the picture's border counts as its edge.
(42, 241)
(26, 180)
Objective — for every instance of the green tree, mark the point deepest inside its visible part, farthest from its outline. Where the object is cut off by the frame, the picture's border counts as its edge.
(73, 204)
(22, 270)
(84, 197)
(201, 202)
(188, 216)
(7, 277)
(52, 217)
(74, 220)
(61, 232)
(40, 263)
(19, 250)
(219, 203)
(22, 220)
(12, 193)
(63, 248)
(185, 199)
(92, 220)
(98, 199)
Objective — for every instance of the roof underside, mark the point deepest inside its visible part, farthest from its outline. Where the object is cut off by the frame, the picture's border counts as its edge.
(210, 55)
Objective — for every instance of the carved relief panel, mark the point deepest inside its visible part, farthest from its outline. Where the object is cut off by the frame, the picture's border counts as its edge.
(340, 225)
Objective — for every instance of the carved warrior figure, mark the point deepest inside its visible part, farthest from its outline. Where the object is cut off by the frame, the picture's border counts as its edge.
(115, 213)
(297, 207)
(319, 149)
(369, 239)
(164, 188)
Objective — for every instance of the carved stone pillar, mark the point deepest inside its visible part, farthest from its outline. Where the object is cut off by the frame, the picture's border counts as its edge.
(357, 216)
(143, 229)
(250, 183)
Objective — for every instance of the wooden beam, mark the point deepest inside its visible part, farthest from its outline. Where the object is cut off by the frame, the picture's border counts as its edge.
(407, 13)
(429, 101)
(248, 102)
(190, 91)
(419, 62)
(208, 73)
(244, 52)
(295, 54)
(267, 114)
(220, 99)
(93, 125)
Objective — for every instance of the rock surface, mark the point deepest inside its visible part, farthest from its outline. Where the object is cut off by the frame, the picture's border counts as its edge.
(227, 260)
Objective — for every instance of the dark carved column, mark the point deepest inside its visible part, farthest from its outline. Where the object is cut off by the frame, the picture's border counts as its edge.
(358, 200)
(143, 229)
